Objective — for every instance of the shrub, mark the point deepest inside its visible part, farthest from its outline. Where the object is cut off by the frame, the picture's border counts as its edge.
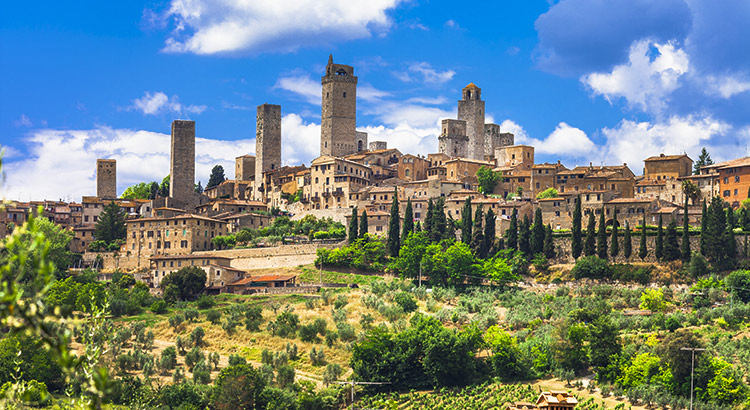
(205, 302)
(235, 359)
(592, 267)
(308, 333)
(406, 301)
(193, 357)
(331, 338)
(345, 331)
(285, 376)
(197, 336)
(332, 373)
(168, 359)
(285, 325)
(159, 307)
(201, 374)
(213, 316)
(253, 318)
(191, 315)
(626, 272)
(176, 320)
(340, 302)
(317, 357)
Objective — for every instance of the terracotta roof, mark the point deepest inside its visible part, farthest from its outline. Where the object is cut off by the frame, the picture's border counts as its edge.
(472, 86)
(739, 162)
(264, 278)
(667, 209)
(190, 256)
(551, 199)
(225, 267)
(663, 157)
(649, 182)
(185, 216)
(557, 397)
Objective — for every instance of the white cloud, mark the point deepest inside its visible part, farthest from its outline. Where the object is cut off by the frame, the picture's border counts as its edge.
(424, 73)
(302, 85)
(395, 113)
(632, 142)
(23, 121)
(158, 102)
(646, 81)
(405, 138)
(728, 86)
(565, 141)
(221, 26)
(300, 140)
(141, 156)
(370, 93)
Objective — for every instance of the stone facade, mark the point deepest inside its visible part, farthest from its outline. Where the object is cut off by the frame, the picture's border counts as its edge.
(244, 168)
(471, 110)
(361, 140)
(106, 178)
(338, 136)
(378, 145)
(493, 138)
(267, 145)
(515, 156)
(453, 140)
(218, 271)
(332, 179)
(667, 167)
(182, 162)
(413, 168)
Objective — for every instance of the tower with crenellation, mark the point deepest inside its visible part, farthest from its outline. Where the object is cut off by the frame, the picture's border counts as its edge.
(338, 135)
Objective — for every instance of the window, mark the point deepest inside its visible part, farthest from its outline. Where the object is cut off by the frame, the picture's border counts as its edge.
(735, 192)
(726, 193)
(737, 179)
(183, 244)
(726, 180)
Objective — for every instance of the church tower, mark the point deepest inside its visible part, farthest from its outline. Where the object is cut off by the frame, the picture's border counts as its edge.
(339, 112)
(471, 110)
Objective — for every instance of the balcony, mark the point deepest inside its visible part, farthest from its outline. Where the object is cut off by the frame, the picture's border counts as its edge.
(326, 194)
(338, 192)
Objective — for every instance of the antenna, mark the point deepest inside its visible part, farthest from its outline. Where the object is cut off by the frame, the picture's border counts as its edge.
(353, 383)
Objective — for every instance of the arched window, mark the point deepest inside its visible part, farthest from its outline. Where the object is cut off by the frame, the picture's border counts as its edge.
(359, 145)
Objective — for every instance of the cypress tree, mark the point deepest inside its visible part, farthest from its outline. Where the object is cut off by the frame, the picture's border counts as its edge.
(537, 233)
(671, 247)
(418, 227)
(627, 242)
(589, 247)
(428, 218)
(659, 247)
(614, 249)
(438, 228)
(477, 238)
(685, 246)
(745, 219)
(745, 254)
(730, 246)
(394, 226)
(524, 240)
(715, 231)
(549, 243)
(408, 221)
(642, 249)
(512, 233)
(731, 223)
(466, 222)
(489, 233)
(704, 220)
(353, 235)
(363, 224)
(601, 237)
(576, 243)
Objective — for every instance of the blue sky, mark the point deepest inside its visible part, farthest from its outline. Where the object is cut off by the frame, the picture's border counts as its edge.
(583, 80)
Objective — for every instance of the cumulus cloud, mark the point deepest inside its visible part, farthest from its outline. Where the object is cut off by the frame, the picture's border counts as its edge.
(651, 74)
(303, 86)
(631, 141)
(224, 26)
(158, 102)
(300, 140)
(565, 141)
(728, 86)
(423, 72)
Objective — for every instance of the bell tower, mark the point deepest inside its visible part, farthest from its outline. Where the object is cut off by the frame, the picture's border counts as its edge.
(339, 110)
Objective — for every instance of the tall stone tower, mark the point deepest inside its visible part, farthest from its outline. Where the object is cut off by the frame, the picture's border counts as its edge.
(106, 178)
(182, 162)
(244, 168)
(267, 144)
(453, 140)
(493, 138)
(471, 110)
(339, 112)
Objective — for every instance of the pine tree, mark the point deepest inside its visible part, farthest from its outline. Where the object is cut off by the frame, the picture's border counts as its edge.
(627, 242)
(363, 224)
(537, 233)
(353, 234)
(408, 221)
(642, 249)
(111, 224)
(704, 159)
(394, 227)
(576, 243)
(685, 245)
(549, 243)
(589, 248)
(489, 233)
(704, 219)
(524, 240)
(512, 233)
(659, 247)
(671, 247)
(477, 237)
(601, 237)
(217, 176)
(614, 249)
(427, 226)
(466, 222)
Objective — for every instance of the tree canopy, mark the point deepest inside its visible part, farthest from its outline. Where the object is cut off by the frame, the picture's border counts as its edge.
(189, 281)
(487, 179)
(111, 224)
(217, 176)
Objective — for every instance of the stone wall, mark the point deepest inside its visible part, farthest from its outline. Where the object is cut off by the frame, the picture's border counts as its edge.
(274, 257)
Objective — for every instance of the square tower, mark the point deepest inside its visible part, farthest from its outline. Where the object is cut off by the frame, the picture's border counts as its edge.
(339, 110)
(493, 138)
(471, 110)
(361, 138)
(182, 162)
(244, 168)
(453, 140)
(106, 178)
(267, 144)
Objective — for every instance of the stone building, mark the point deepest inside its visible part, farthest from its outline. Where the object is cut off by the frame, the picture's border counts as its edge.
(82, 238)
(515, 156)
(244, 167)
(93, 206)
(616, 178)
(544, 176)
(182, 164)
(225, 189)
(332, 179)
(413, 167)
(465, 169)
(237, 221)
(377, 221)
(731, 179)
(662, 166)
(493, 139)
(267, 145)
(471, 111)
(556, 400)
(177, 235)
(338, 136)
(106, 178)
(218, 271)
(453, 140)
(378, 145)
(361, 140)
(223, 205)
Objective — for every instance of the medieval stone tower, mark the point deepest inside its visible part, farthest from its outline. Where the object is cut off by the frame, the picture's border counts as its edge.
(471, 110)
(453, 140)
(244, 168)
(493, 138)
(339, 112)
(267, 144)
(106, 178)
(182, 162)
